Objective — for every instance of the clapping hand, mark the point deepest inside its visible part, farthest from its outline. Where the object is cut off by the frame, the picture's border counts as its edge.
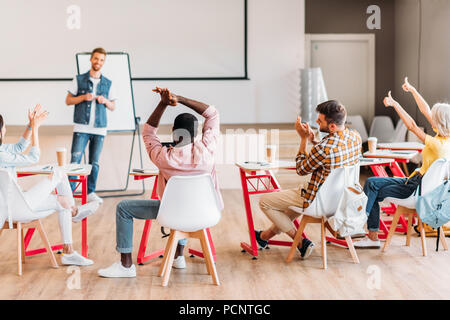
(167, 97)
(37, 116)
(407, 87)
(303, 129)
(389, 101)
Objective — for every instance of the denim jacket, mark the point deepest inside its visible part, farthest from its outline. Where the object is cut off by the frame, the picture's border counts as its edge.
(82, 111)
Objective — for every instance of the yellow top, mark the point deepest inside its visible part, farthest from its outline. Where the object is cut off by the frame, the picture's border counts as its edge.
(435, 148)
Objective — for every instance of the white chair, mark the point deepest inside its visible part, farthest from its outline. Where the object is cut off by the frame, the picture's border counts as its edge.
(20, 216)
(437, 173)
(357, 123)
(322, 207)
(188, 207)
(383, 129)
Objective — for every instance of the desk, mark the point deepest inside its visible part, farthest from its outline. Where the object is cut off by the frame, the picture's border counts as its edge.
(141, 258)
(417, 146)
(259, 177)
(81, 180)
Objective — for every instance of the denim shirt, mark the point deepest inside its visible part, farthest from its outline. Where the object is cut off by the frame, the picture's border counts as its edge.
(82, 112)
(11, 156)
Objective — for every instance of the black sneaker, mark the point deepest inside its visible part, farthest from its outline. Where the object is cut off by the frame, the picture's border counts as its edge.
(261, 243)
(306, 249)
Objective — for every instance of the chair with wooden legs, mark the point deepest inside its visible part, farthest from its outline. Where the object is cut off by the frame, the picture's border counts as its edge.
(188, 207)
(15, 210)
(322, 208)
(437, 172)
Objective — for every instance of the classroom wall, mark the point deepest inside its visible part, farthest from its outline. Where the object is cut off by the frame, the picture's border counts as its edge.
(275, 54)
(422, 52)
(349, 16)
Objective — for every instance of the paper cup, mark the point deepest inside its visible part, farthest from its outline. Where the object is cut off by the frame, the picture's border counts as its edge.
(271, 152)
(61, 155)
(372, 141)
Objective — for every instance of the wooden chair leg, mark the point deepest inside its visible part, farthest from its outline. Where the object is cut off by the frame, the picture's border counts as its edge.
(166, 254)
(409, 229)
(442, 238)
(207, 254)
(46, 244)
(23, 246)
(170, 257)
(391, 232)
(351, 247)
(422, 237)
(19, 249)
(297, 238)
(323, 242)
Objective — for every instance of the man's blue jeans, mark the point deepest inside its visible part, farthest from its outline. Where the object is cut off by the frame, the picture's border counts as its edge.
(126, 211)
(79, 143)
(378, 188)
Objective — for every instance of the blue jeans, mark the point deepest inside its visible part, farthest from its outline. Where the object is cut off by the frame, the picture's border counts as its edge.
(79, 143)
(377, 189)
(126, 211)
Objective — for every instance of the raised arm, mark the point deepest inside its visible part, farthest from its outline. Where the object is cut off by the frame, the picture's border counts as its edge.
(197, 106)
(406, 118)
(166, 99)
(420, 101)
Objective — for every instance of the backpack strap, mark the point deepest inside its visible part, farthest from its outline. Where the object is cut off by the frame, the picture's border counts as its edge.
(437, 238)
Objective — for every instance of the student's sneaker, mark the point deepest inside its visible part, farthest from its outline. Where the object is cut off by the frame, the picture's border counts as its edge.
(366, 243)
(179, 263)
(93, 197)
(117, 270)
(306, 249)
(261, 243)
(86, 210)
(75, 259)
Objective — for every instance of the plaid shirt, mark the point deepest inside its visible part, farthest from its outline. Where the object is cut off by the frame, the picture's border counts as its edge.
(336, 150)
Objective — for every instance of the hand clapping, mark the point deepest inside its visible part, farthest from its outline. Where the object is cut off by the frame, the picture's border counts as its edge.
(303, 129)
(166, 96)
(37, 116)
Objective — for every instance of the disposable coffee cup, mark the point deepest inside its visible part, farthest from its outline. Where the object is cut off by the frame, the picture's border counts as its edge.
(61, 155)
(372, 141)
(271, 152)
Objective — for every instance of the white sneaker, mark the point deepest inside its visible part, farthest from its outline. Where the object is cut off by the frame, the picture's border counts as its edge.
(179, 263)
(93, 197)
(86, 210)
(116, 270)
(366, 243)
(75, 259)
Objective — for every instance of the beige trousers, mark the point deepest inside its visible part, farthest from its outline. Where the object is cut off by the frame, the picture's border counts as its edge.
(275, 206)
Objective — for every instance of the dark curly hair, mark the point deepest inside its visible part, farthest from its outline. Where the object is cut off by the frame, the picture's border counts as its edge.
(333, 111)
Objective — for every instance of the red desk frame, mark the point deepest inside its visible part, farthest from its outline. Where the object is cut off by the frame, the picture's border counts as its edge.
(81, 180)
(141, 258)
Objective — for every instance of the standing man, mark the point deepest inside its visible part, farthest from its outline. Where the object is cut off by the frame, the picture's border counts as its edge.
(92, 94)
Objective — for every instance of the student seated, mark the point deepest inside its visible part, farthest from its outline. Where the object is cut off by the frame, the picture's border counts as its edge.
(341, 147)
(378, 188)
(189, 156)
(41, 197)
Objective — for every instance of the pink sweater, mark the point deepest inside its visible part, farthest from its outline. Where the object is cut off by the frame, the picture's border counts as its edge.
(191, 159)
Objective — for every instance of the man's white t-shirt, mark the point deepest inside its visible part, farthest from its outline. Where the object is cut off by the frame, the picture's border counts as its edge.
(89, 128)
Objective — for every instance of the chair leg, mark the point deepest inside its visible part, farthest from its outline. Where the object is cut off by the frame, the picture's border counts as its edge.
(422, 237)
(207, 254)
(323, 243)
(166, 254)
(351, 247)
(170, 257)
(394, 223)
(442, 238)
(19, 249)
(297, 238)
(409, 229)
(46, 244)
(23, 246)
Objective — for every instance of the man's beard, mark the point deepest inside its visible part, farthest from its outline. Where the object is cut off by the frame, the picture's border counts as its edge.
(96, 68)
(324, 130)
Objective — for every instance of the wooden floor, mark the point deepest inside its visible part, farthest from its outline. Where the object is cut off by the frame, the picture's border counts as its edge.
(403, 272)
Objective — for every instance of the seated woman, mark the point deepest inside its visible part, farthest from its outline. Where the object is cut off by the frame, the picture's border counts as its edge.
(41, 197)
(378, 188)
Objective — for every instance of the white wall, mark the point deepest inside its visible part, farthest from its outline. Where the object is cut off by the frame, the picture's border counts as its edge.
(275, 53)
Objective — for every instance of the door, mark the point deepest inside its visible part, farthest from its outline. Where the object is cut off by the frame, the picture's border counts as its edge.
(348, 67)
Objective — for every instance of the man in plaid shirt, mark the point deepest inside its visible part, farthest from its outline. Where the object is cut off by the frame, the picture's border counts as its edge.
(341, 147)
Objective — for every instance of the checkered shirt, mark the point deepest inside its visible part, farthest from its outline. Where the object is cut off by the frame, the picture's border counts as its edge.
(336, 150)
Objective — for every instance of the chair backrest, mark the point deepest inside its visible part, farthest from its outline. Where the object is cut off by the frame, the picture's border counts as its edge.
(435, 175)
(382, 128)
(400, 132)
(327, 198)
(357, 123)
(14, 206)
(189, 203)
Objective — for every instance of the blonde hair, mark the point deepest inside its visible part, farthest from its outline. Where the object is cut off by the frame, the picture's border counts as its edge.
(440, 113)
